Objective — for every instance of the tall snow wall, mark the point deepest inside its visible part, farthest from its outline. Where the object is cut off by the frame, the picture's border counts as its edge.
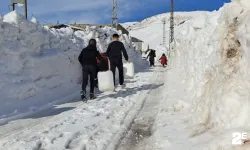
(39, 66)
(212, 58)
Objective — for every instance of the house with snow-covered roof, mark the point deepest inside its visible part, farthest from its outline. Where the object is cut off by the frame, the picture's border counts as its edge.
(77, 27)
(137, 42)
(83, 26)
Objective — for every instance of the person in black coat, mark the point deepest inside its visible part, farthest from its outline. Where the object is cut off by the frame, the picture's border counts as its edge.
(114, 53)
(87, 58)
(151, 57)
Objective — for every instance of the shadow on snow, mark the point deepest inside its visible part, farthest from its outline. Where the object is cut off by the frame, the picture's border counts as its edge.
(54, 110)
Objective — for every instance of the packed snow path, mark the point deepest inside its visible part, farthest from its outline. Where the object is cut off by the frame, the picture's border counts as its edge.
(99, 124)
(138, 138)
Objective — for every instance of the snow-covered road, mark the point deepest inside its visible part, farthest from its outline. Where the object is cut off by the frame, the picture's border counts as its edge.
(139, 135)
(99, 124)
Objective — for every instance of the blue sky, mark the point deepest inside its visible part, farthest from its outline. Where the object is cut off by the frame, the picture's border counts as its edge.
(99, 11)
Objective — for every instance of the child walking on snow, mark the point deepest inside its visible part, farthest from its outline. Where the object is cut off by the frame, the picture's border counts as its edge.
(164, 60)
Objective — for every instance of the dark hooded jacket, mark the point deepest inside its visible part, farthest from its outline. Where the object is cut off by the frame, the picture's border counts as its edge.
(88, 56)
(151, 55)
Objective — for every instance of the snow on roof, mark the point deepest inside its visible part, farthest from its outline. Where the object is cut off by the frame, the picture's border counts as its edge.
(14, 18)
(135, 39)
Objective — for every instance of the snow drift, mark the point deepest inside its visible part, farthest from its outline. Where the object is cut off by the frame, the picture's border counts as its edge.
(212, 57)
(211, 62)
(40, 65)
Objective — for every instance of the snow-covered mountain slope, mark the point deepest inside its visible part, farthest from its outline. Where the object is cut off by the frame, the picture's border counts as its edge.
(128, 24)
(39, 66)
(150, 30)
(207, 85)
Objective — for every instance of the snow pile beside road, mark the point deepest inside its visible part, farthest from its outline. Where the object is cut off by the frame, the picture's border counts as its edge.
(40, 65)
(103, 36)
(211, 62)
(209, 72)
(223, 101)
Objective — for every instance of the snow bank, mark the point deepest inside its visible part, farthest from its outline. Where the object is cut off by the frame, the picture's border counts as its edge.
(223, 102)
(40, 65)
(211, 58)
(210, 66)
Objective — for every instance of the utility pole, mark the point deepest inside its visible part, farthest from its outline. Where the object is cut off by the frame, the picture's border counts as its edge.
(115, 14)
(171, 35)
(164, 31)
(26, 9)
(22, 2)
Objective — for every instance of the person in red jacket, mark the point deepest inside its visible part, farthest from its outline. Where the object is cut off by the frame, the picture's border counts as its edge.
(101, 66)
(164, 60)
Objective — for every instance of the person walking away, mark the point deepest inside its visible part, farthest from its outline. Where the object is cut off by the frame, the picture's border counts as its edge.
(101, 66)
(151, 57)
(114, 53)
(163, 60)
(87, 58)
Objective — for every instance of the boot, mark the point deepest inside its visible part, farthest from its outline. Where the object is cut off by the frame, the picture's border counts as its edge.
(83, 96)
(96, 83)
(92, 96)
(120, 87)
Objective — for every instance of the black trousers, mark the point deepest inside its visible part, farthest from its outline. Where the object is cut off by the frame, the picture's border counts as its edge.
(88, 70)
(117, 63)
(152, 62)
(96, 76)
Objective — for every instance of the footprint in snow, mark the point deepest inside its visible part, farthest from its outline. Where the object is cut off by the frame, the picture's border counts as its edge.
(97, 114)
(70, 140)
(45, 132)
(74, 122)
(38, 146)
(61, 135)
(52, 140)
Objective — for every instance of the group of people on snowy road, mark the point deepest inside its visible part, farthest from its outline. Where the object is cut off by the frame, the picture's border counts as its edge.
(92, 62)
(152, 55)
